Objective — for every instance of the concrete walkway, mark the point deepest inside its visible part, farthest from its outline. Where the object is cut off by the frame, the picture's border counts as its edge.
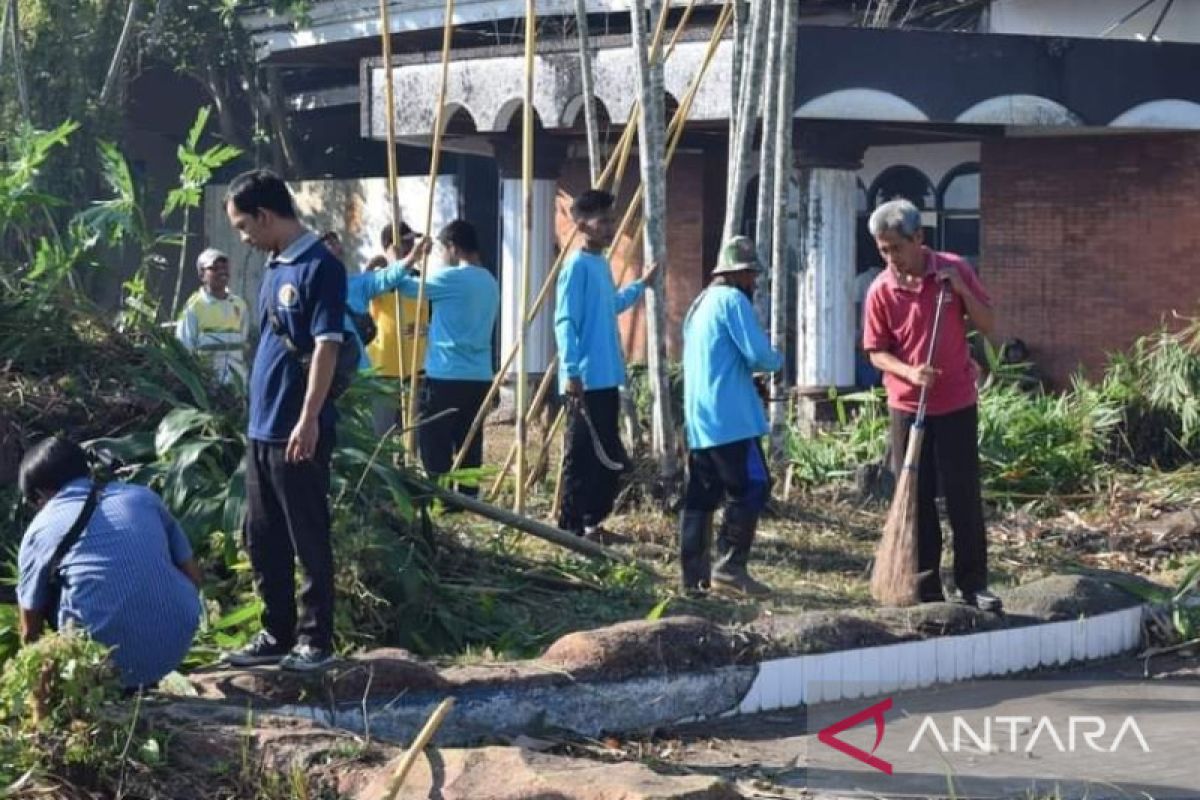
(1095, 733)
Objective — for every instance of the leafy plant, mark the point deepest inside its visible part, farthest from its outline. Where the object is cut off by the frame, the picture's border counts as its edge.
(1175, 612)
(58, 701)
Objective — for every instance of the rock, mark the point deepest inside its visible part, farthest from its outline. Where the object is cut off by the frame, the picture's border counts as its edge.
(819, 632)
(1061, 597)
(937, 619)
(1173, 525)
(386, 672)
(509, 773)
(629, 649)
(874, 482)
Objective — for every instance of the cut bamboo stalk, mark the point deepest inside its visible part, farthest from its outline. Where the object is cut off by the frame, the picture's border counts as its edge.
(435, 157)
(677, 124)
(419, 744)
(521, 523)
(526, 247)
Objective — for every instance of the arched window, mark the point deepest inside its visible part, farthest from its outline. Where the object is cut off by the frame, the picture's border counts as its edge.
(958, 212)
(910, 183)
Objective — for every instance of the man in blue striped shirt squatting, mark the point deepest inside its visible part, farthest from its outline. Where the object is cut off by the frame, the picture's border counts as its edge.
(458, 358)
(591, 365)
(129, 580)
(292, 421)
(723, 345)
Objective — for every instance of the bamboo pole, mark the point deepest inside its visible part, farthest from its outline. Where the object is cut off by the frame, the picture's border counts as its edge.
(389, 97)
(526, 246)
(591, 125)
(419, 744)
(545, 452)
(541, 530)
(677, 124)
(535, 405)
(435, 157)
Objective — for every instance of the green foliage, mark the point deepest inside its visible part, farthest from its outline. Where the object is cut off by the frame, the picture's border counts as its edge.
(198, 167)
(1145, 410)
(1177, 609)
(59, 712)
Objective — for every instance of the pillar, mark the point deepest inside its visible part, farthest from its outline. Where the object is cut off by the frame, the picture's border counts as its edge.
(827, 160)
(539, 338)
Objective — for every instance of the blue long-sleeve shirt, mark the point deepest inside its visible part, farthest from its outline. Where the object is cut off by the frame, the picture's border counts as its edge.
(722, 345)
(465, 302)
(365, 286)
(585, 322)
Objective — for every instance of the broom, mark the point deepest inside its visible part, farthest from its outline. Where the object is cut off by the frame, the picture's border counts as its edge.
(894, 576)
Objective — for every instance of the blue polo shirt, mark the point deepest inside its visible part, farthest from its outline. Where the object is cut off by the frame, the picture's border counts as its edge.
(722, 345)
(306, 285)
(465, 301)
(121, 583)
(585, 322)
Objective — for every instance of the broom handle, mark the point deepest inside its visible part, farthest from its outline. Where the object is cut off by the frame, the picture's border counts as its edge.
(919, 422)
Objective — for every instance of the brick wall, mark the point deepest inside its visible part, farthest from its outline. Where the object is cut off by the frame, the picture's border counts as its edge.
(685, 244)
(1089, 242)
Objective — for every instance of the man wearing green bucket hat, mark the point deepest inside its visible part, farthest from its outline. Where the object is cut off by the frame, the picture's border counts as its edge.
(723, 345)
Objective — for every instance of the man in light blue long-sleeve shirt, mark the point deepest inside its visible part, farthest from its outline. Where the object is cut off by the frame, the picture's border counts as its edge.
(591, 365)
(723, 345)
(458, 359)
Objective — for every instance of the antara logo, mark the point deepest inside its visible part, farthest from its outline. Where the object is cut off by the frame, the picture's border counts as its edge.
(1023, 735)
(828, 735)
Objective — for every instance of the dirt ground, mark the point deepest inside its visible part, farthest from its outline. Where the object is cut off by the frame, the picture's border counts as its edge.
(816, 548)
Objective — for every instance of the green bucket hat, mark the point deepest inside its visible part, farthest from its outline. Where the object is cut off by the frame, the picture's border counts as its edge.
(738, 255)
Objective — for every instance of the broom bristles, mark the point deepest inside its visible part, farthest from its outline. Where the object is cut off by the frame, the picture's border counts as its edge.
(894, 576)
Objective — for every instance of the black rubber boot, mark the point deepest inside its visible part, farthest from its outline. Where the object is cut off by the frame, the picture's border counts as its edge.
(733, 549)
(695, 540)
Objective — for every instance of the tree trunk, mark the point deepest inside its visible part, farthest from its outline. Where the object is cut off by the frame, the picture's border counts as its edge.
(740, 9)
(765, 212)
(750, 95)
(651, 159)
(183, 252)
(114, 66)
(785, 243)
(589, 96)
(14, 31)
(287, 156)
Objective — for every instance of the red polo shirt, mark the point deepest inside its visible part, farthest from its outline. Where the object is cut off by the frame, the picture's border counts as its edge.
(899, 320)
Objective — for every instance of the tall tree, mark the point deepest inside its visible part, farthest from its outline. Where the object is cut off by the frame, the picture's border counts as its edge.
(651, 159)
(764, 212)
(785, 225)
(589, 94)
(749, 99)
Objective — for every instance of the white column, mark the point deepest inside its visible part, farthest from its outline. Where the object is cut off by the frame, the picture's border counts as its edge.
(539, 340)
(825, 346)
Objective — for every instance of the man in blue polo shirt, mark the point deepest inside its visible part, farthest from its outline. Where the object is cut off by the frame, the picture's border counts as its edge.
(723, 345)
(128, 580)
(302, 300)
(458, 359)
(591, 365)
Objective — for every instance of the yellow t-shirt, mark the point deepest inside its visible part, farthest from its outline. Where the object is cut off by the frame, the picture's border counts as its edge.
(395, 317)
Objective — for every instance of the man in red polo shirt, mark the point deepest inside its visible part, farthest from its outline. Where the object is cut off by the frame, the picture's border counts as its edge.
(898, 327)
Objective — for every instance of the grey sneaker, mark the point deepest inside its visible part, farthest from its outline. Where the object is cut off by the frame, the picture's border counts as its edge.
(306, 658)
(262, 649)
(739, 583)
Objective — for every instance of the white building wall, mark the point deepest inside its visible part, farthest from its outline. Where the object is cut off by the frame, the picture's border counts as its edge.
(1088, 18)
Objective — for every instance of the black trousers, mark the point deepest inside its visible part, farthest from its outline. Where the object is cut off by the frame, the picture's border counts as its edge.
(737, 470)
(287, 518)
(440, 439)
(949, 458)
(589, 487)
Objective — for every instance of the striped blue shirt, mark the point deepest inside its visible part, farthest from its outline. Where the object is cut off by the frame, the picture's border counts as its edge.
(120, 580)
